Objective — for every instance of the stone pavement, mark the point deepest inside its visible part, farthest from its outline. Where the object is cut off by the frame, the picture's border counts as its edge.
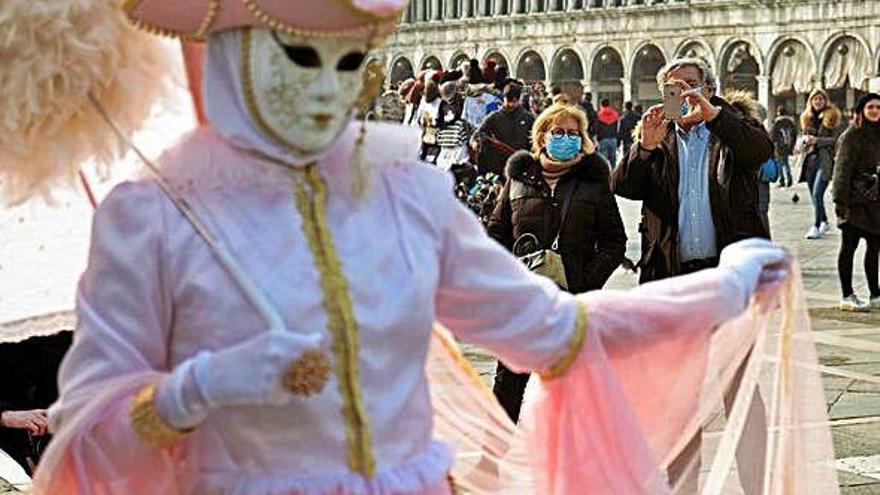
(848, 344)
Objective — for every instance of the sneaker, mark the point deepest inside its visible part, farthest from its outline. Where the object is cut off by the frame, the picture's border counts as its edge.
(813, 233)
(853, 303)
(823, 228)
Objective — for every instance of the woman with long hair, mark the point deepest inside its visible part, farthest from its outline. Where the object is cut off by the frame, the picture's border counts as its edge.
(820, 123)
(857, 201)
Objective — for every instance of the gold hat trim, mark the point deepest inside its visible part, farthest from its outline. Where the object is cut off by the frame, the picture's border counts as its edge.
(377, 30)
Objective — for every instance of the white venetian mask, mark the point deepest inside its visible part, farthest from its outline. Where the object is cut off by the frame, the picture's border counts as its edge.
(301, 91)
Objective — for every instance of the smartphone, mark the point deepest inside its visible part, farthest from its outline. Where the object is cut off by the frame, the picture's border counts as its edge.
(672, 101)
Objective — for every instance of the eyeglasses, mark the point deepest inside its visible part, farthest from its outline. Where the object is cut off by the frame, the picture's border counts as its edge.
(563, 132)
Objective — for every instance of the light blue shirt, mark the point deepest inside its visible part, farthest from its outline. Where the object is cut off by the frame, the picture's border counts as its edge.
(696, 230)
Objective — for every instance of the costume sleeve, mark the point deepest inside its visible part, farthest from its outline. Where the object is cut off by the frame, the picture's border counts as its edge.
(613, 417)
(124, 311)
(488, 298)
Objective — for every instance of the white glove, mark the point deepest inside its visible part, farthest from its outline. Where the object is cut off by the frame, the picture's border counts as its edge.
(248, 373)
(757, 263)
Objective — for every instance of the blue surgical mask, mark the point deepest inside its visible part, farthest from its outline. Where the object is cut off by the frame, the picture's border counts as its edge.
(563, 148)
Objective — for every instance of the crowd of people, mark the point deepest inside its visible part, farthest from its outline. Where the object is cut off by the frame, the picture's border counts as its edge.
(489, 120)
(232, 333)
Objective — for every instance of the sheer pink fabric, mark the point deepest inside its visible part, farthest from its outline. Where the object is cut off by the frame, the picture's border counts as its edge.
(751, 390)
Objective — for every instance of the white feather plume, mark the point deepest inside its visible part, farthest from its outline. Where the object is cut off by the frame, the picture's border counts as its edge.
(53, 53)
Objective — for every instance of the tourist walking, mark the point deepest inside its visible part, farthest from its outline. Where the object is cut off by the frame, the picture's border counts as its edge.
(820, 123)
(453, 134)
(783, 133)
(627, 125)
(428, 119)
(586, 104)
(504, 132)
(558, 196)
(606, 131)
(856, 195)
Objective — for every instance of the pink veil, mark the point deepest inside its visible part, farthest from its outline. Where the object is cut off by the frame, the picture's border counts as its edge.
(767, 435)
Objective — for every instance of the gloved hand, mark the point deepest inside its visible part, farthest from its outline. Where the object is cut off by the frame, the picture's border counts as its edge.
(248, 373)
(758, 264)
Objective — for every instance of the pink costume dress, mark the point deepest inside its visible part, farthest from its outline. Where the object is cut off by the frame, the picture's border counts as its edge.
(396, 261)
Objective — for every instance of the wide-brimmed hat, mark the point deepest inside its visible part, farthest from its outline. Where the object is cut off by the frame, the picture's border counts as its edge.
(195, 19)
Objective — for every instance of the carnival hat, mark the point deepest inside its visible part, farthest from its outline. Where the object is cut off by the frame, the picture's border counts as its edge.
(195, 19)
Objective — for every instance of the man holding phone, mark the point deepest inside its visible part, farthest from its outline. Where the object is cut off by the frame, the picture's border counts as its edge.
(695, 169)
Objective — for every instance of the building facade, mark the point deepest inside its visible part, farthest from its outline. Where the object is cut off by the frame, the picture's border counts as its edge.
(776, 49)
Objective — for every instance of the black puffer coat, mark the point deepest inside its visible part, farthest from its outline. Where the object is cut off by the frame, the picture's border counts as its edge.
(858, 152)
(592, 242)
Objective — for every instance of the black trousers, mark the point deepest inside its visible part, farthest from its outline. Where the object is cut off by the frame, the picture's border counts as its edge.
(509, 389)
(849, 242)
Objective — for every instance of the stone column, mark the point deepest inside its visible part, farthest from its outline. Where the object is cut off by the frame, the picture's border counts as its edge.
(449, 9)
(435, 10)
(499, 7)
(764, 91)
(534, 6)
(627, 89)
(587, 84)
(420, 10)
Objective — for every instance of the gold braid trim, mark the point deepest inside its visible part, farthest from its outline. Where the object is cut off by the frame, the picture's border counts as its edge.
(198, 35)
(340, 320)
(574, 346)
(147, 423)
(250, 97)
(377, 30)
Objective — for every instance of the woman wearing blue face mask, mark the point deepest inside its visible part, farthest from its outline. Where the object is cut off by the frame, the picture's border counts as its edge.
(559, 193)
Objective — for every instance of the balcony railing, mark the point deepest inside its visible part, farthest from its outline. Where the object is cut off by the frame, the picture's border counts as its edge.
(448, 10)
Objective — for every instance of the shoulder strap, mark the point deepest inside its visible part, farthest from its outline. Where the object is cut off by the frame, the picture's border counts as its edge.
(566, 203)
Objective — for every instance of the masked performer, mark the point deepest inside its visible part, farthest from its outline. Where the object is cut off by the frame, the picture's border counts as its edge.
(176, 383)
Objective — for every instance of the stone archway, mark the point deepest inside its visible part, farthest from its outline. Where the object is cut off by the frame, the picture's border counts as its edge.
(647, 62)
(846, 71)
(740, 69)
(432, 63)
(606, 75)
(530, 68)
(457, 60)
(567, 72)
(401, 70)
(694, 49)
(792, 74)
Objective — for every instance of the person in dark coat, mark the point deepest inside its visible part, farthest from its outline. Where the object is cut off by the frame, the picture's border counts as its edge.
(820, 123)
(628, 122)
(504, 132)
(592, 239)
(586, 104)
(783, 133)
(606, 131)
(857, 165)
(684, 228)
